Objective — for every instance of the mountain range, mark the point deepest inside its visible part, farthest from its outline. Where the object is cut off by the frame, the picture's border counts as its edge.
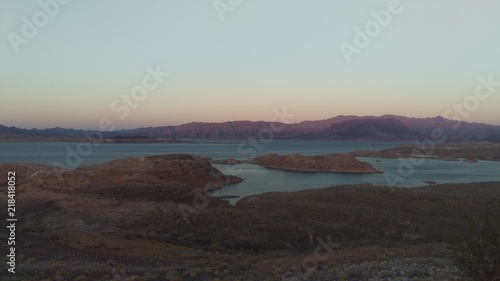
(382, 128)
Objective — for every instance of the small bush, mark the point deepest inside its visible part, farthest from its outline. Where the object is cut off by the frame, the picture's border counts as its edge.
(61, 275)
(190, 273)
(223, 265)
(82, 278)
(476, 249)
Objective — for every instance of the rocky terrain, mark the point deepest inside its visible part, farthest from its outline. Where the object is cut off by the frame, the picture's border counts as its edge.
(471, 152)
(148, 218)
(337, 163)
(163, 173)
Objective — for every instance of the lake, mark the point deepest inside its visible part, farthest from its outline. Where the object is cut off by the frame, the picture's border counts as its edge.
(257, 179)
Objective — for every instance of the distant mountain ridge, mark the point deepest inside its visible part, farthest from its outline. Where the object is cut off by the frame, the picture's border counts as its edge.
(385, 128)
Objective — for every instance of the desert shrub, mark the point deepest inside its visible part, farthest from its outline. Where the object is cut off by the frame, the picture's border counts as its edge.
(61, 275)
(81, 278)
(190, 273)
(476, 249)
(224, 265)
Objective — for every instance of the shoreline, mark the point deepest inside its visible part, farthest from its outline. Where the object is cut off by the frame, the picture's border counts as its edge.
(366, 227)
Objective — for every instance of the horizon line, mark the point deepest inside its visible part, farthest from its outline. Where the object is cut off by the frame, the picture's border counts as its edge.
(255, 121)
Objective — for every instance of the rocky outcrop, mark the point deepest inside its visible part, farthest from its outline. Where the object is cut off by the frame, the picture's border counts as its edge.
(468, 152)
(175, 170)
(337, 163)
(136, 174)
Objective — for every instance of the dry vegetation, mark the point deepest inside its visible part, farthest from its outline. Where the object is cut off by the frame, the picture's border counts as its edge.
(100, 229)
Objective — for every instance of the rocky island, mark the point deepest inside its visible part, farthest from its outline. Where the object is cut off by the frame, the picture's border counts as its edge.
(336, 163)
(468, 152)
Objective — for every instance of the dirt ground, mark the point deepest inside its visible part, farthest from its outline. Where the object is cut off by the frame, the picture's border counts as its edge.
(358, 232)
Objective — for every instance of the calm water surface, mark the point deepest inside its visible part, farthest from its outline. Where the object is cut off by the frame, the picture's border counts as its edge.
(257, 179)
(46, 153)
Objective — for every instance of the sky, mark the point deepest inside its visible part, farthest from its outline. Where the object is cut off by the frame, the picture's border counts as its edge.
(154, 63)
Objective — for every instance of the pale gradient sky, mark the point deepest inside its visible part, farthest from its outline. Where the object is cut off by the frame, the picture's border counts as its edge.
(263, 55)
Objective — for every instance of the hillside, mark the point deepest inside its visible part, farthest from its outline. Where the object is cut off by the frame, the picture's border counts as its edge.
(371, 129)
(148, 218)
